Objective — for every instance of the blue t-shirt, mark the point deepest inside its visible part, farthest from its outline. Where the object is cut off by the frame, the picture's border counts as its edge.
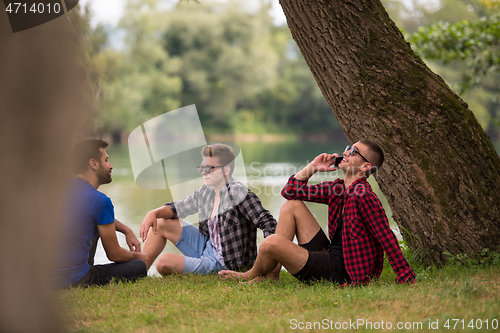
(84, 209)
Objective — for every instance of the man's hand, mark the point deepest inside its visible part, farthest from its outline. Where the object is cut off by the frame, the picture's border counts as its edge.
(149, 221)
(324, 162)
(132, 242)
(164, 212)
(142, 256)
(113, 250)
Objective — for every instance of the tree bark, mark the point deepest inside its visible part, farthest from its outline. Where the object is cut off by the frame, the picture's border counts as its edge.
(441, 175)
(41, 96)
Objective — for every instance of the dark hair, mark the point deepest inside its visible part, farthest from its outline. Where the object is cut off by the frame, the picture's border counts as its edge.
(376, 154)
(223, 152)
(85, 150)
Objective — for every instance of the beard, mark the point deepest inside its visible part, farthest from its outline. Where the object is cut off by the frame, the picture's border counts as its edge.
(104, 176)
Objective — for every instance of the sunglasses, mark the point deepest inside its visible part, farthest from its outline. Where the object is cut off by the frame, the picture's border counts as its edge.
(208, 169)
(354, 150)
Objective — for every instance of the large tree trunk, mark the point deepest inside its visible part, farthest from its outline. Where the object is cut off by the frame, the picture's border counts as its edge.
(40, 98)
(442, 174)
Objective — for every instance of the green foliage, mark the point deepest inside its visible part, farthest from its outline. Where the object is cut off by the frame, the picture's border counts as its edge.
(409, 15)
(466, 53)
(486, 258)
(138, 82)
(295, 103)
(92, 41)
(223, 56)
(244, 74)
(416, 256)
(476, 45)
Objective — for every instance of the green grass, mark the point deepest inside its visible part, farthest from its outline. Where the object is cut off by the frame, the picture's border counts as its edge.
(208, 304)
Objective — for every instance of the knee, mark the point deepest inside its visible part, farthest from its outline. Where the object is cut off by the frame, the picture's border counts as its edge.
(163, 224)
(167, 225)
(291, 206)
(139, 267)
(270, 244)
(165, 265)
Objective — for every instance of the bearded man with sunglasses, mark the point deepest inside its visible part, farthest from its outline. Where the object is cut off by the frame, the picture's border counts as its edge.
(229, 215)
(358, 229)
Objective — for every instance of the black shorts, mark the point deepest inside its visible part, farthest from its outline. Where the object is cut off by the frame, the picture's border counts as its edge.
(320, 264)
(101, 275)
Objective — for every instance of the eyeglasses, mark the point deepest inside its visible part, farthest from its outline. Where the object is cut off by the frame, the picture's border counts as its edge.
(353, 151)
(208, 169)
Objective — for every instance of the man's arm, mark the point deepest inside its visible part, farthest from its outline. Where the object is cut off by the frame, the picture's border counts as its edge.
(377, 223)
(132, 241)
(113, 250)
(163, 212)
(251, 207)
(322, 163)
(171, 210)
(297, 188)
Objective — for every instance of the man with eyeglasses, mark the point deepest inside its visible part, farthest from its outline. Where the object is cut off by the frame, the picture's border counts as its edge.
(358, 229)
(229, 215)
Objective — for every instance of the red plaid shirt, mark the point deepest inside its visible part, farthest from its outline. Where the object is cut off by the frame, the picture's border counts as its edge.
(366, 233)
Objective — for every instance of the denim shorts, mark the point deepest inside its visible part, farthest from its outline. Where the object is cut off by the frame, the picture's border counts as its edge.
(199, 256)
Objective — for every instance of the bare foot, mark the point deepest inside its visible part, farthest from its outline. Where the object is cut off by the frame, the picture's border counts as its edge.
(271, 276)
(232, 275)
(255, 280)
(275, 274)
(249, 277)
(262, 278)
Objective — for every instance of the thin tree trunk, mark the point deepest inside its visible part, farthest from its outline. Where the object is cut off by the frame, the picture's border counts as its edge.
(442, 174)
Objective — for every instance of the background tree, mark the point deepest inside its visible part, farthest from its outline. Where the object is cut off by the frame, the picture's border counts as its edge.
(442, 174)
(410, 15)
(473, 45)
(138, 81)
(294, 103)
(245, 78)
(222, 56)
(244, 74)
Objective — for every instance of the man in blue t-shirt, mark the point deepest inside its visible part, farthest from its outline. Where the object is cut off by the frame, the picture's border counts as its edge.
(89, 215)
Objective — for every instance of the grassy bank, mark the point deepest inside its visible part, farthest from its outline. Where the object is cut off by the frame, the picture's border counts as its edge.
(207, 304)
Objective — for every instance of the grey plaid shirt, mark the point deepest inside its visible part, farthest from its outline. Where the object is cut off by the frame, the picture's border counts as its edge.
(240, 213)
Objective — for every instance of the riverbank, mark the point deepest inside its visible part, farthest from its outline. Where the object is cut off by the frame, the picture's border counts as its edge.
(251, 137)
(451, 299)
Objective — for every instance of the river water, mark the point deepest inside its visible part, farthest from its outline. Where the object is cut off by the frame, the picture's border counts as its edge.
(267, 168)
